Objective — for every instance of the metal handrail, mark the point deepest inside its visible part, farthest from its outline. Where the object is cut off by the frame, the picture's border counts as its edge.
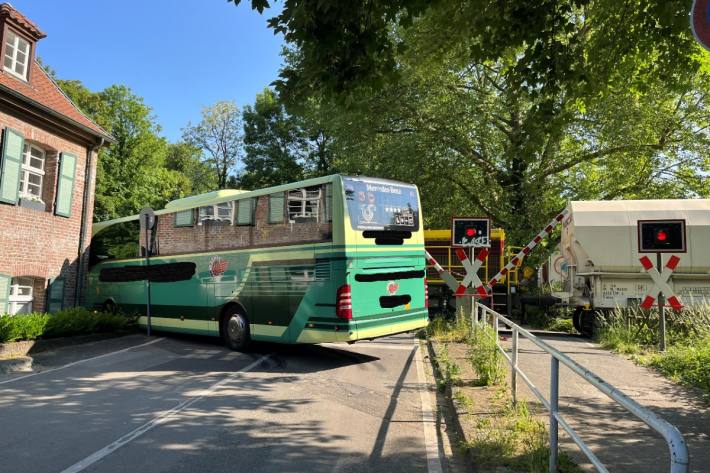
(673, 437)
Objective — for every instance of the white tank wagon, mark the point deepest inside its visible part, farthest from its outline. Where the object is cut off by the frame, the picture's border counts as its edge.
(600, 244)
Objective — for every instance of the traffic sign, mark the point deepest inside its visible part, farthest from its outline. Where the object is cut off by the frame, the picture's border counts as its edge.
(471, 232)
(471, 278)
(660, 281)
(661, 236)
(700, 22)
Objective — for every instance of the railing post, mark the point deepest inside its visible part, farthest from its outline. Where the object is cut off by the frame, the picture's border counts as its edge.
(554, 404)
(514, 368)
(474, 315)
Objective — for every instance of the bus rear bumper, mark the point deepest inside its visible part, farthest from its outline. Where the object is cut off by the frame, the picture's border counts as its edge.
(368, 329)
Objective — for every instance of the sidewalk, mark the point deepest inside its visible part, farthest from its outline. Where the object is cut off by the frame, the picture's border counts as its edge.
(622, 442)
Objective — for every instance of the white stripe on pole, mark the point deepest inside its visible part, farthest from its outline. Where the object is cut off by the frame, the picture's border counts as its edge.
(529, 247)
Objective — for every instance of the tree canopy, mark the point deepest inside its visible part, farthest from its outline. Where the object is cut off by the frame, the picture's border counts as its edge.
(516, 106)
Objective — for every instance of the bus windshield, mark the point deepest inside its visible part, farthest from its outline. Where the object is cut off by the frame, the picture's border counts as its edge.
(381, 205)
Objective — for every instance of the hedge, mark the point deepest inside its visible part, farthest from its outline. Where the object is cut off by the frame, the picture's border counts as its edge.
(75, 321)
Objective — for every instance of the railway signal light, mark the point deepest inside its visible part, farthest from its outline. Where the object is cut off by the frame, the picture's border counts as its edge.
(471, 232)
(661, 236)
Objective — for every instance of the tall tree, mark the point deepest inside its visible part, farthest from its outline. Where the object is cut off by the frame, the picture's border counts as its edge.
(131, 173)
(186, 159)
(518, 105)
(281, 147)
(219, 136)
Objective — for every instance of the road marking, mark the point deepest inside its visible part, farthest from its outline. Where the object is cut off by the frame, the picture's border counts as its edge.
(81, 361)
(431, 443)
(159, 420)
(367, 345)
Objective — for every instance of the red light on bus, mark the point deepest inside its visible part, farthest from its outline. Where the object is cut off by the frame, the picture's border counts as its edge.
(661, 236)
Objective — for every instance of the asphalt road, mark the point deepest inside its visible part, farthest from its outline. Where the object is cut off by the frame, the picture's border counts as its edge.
(172, 404)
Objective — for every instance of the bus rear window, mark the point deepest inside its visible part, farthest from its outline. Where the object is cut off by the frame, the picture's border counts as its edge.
(381, 205)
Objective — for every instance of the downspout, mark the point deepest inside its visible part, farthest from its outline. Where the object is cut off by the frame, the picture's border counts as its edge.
(82, 229)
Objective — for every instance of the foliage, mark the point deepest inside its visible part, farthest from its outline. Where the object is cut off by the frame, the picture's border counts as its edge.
(687, 363)
(484, 356)
(131, 173)
(219, 136)
(560, 99)
(23, 327)
(449, 370)
(443, 330)
(185, 159)
(68, 322)
(279, 147)
(635, 332)
(513, 437)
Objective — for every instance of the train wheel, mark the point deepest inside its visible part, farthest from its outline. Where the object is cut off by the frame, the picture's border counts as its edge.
(577, 319)
(585, 322)
(235, 329)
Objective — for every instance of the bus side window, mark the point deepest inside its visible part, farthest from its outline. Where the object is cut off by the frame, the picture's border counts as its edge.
(304, 204)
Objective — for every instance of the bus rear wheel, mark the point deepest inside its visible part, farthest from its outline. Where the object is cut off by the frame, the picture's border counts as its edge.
(235, 329)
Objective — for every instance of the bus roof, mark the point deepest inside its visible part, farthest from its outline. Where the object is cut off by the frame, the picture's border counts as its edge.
(213, 198)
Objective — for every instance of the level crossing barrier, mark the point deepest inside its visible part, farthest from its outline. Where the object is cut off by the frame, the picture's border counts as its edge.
(676, 444)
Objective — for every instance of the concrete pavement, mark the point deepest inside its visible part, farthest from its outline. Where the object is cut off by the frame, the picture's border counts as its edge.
(187, 404)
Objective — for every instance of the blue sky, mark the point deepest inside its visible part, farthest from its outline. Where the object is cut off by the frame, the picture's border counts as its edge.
(179, 55)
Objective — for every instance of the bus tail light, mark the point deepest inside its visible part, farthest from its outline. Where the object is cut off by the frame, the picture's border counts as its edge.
(344, 303)
(426, 294)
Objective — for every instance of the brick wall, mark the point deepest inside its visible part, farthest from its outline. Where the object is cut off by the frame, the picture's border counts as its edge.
(213, 236)
(39, 244)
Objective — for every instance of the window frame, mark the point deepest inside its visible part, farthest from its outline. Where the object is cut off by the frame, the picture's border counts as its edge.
(182, 225)
(28, 53)
(15, 300)
(305, 199)
(215, 216)
(282, 196)
(28, 169)
(237, 213)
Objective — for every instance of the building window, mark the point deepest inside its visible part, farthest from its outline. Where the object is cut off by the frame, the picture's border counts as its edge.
(223, 212)
(32, 171)
(304, 204)
(20, 299)
(17, 55)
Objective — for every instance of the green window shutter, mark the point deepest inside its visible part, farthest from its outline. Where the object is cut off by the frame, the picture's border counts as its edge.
(55, 295)
(65, 185)
(11, 165)
(276, 208)
(4, 293)
(245, 212)
(185, 218)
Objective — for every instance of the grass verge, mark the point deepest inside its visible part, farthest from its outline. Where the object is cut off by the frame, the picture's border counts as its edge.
(498, 435)
(634, 332)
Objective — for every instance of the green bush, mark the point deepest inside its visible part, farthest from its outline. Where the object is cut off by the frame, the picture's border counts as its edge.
(686, 363)
(68, 322)
(22, 327)
(484, 356)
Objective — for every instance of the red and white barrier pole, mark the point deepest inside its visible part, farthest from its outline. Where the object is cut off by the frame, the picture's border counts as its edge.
(446, 276)
(529, 247)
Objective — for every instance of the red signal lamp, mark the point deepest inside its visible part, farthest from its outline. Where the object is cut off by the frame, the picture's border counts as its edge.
(661, 235)
(470, 232)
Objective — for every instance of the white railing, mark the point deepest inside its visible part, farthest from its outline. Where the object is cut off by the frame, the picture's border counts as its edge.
(676, 444)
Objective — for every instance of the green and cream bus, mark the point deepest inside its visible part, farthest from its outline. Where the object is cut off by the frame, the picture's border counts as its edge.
(329, 259)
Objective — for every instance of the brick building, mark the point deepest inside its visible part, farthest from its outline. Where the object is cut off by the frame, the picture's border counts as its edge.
(47, 167)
